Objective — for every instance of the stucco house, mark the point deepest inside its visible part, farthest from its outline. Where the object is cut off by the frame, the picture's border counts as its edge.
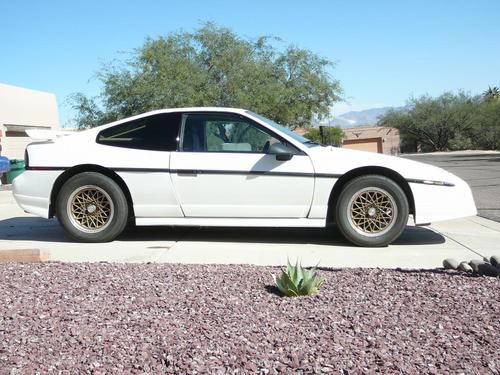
(381, 139)
(22, 109)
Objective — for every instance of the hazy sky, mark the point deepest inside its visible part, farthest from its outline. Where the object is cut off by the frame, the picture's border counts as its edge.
(384, 51)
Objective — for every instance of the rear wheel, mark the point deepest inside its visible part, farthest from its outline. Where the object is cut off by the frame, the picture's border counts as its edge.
(372, 210)
(91, 207)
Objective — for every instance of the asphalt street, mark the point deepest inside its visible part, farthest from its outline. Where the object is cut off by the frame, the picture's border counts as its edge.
(481, 170)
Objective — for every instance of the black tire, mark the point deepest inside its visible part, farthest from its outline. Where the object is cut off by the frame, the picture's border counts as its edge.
(91, 207)
(371, 211)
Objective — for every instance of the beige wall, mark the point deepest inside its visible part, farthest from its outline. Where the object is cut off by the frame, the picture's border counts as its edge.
(22, 109)
(367, 138)
(13, 147)
(371, 145)
(19, 106)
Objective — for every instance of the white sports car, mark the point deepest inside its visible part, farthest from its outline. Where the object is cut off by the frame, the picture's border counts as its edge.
(227, 167)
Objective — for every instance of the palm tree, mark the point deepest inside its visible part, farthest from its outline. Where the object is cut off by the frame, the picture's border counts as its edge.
(492, 93)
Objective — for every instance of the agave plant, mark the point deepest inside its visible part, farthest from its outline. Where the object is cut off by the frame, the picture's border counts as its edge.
(297, 281)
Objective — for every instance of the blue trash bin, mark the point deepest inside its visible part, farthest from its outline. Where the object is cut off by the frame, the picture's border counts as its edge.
(4, 166)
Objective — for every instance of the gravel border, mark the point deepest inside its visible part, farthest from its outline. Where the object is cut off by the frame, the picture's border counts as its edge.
(178, 319)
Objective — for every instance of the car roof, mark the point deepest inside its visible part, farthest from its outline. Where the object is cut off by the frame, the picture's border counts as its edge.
(172, 110)
(92, 132)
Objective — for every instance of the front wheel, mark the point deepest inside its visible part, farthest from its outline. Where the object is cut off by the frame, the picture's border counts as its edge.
(371, 210)
(91, 207)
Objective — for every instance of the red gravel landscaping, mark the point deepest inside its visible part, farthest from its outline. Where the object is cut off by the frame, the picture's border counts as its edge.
(157, 319)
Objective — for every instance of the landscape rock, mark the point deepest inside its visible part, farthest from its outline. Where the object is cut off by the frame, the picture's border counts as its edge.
(450, 264)
(464, 266)
(487, 269)
(58, 318)
(495, 261)
(474, 263)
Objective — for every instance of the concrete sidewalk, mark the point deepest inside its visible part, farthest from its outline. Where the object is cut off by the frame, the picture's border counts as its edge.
(418, 247)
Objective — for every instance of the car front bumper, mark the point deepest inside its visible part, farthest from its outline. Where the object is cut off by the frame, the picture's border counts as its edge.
(440, 202)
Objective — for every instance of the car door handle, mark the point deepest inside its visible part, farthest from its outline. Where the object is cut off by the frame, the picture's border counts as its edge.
(187, 172)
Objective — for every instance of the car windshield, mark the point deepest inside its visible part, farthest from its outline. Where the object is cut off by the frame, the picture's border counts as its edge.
(284, 129)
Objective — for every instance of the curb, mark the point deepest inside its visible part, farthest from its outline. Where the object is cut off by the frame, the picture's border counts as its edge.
(24, 256)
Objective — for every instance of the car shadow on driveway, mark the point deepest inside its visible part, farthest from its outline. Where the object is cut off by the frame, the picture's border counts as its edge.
(315, 236)
(32, 229)
(38, 229)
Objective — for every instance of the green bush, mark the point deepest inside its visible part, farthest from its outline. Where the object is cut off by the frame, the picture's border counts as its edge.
(449, 122)
(297, 281)
(332, 135)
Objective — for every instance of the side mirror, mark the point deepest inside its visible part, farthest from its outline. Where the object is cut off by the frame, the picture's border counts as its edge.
(282, 152)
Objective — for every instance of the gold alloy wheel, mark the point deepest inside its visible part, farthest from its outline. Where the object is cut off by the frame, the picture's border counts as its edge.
(372, 212)
(90, 209)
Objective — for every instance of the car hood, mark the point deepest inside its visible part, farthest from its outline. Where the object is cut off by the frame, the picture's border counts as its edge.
(334, 160)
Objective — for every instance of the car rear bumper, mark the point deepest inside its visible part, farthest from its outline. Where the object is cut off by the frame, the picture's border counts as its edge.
(32, 190)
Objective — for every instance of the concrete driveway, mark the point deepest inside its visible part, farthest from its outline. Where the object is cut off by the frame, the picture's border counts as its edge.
(418, 247)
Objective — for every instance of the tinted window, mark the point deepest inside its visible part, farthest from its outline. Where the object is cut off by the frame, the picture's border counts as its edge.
(157, 132)
(224, 133)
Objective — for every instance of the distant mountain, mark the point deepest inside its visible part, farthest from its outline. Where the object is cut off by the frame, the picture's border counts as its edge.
(368, 117)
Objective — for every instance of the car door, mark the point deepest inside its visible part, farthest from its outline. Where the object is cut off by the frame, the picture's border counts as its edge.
(139, 151)
(224, 169)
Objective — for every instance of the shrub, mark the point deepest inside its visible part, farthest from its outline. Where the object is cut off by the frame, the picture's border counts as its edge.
(332, 135)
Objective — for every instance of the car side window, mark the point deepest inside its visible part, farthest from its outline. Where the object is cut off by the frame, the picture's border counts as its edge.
(157, 133)
(224, 133)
